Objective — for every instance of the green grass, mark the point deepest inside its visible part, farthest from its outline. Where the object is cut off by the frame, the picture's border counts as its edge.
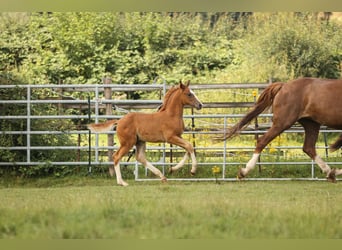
(96, 208)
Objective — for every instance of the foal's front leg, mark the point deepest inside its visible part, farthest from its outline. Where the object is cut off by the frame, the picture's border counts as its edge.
(189, 151)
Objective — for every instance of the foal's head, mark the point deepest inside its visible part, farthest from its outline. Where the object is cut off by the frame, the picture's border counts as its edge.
(188, 96)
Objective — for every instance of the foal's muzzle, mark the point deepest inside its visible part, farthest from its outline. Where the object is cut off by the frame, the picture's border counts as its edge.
(199, 106)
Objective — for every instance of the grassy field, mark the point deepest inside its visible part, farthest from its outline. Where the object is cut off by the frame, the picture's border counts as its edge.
(96, 208)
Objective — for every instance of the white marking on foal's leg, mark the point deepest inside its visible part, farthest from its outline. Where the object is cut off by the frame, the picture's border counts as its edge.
(325, 167)
(181, 163)
(119, 179)
(194, 163)
(251, 164)
(155, 170)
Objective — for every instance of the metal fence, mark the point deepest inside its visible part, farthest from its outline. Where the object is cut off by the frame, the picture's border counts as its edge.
(95, 105)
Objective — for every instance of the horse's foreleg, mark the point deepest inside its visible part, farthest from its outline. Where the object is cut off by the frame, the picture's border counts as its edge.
(141, 157)
(194, 163)
(311, 129)
(190, 151)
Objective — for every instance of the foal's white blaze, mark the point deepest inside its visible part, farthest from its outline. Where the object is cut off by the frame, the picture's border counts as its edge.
(192, 92)
(251, 164)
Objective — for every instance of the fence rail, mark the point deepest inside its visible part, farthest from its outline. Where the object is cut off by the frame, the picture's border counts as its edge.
(100, 106)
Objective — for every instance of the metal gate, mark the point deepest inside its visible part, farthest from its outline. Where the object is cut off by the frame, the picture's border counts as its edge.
(98, 105)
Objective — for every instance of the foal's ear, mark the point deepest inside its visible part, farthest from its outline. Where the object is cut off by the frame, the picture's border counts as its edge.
(183, 86)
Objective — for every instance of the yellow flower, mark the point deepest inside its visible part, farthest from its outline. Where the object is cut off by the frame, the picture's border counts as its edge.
(272, 150)
(216, 170)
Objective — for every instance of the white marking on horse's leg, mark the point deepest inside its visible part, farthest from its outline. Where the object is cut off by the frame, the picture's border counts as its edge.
(251, 164)
(119, 179)
(181, 163)
(194, 163)
(325, 167)
(155, 170)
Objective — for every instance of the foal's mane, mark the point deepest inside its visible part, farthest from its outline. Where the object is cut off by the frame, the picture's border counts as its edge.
(167, 97)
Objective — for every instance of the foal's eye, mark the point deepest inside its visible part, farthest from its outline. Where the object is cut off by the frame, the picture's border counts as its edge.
(189, 94)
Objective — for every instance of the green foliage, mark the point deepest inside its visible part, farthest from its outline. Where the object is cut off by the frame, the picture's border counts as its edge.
(137, 47)
(284, 46)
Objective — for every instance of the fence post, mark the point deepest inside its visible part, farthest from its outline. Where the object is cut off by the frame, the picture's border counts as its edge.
(109, 106)
(60, 97)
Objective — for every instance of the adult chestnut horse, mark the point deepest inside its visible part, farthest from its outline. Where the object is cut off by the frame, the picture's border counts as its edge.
(310, 101)
(166, 125)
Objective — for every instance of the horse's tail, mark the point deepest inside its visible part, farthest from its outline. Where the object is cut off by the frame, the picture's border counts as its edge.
(264, 101)
(102, 127)
(337, 144)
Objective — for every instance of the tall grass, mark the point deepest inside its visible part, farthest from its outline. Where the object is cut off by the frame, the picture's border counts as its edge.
(174, 210)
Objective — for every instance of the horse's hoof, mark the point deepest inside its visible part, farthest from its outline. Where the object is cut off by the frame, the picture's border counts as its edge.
(332, 176)
(240, 175)
(192, 173)
(163, 180)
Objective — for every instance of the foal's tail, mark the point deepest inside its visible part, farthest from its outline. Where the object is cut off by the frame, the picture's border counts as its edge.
(102, 127)
(264, 101)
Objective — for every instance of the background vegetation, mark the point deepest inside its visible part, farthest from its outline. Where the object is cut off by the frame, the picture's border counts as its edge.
(135, 48)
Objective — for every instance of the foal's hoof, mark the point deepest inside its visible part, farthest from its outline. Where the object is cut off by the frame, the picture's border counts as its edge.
(332, 176)
(192, 173)
(163, 180)
(240, 175)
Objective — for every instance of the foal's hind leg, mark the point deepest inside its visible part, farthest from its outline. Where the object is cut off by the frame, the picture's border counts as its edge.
(124, 149)
(140, 157)
(311, 129)
(189, 151)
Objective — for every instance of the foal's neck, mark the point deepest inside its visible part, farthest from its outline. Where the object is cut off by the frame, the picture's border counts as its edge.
(174, 107)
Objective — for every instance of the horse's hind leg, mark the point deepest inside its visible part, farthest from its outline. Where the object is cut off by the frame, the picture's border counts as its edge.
(141, 157)
(262, 142)
(124, 149)
(311, 129)
(180, 164)
(189, 151)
